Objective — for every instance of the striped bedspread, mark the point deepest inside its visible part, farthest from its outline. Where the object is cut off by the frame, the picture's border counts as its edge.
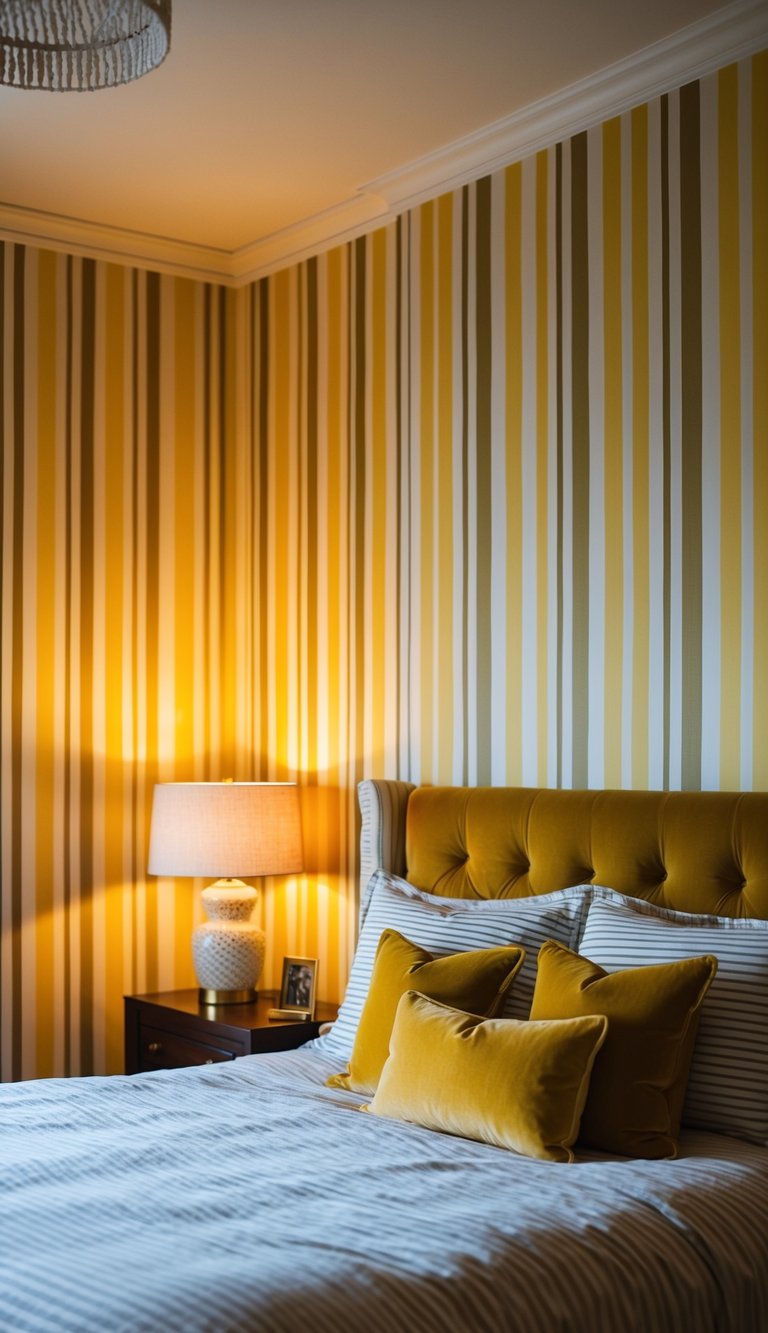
(248, 1196)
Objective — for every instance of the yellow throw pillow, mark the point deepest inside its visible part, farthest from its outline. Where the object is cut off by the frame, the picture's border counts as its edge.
(638, 1083)
(477, 980)
(518, 1085)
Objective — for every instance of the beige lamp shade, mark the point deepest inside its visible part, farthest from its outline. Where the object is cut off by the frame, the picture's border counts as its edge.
(226, 829)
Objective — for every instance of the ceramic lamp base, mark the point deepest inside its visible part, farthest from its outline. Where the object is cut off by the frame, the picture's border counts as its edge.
(228, 950)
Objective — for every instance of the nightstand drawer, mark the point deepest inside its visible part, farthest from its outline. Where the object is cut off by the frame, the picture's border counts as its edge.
(166, 1050)
(171, 1029)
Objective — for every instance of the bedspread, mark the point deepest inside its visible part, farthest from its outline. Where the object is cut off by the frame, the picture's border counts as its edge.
(248, 1196)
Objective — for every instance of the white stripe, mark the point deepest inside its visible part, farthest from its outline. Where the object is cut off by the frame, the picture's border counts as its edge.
(710, 437)
(549, 574)
(470, 499)
(747, 683)
(566, 699)
(597, 608)
(417, 296)
(499, 573)
(457, 454)
(389, 766)
(656, 455)
(627, 462)
(529, 449)
(676, 438)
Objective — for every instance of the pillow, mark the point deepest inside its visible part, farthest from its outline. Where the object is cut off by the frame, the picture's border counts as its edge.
(728, 1082)
(638, 1083)
(451, 925)
(477, 979)
(516, 1085)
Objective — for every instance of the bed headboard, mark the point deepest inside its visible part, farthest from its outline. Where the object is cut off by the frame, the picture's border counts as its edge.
(691, 851)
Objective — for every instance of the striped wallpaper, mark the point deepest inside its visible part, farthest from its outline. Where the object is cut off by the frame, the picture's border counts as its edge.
(479, 497)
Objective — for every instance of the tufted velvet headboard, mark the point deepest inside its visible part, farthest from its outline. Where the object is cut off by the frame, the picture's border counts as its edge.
(691, 851)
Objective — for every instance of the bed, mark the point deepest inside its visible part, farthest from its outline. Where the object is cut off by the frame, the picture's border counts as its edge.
(252, 1195)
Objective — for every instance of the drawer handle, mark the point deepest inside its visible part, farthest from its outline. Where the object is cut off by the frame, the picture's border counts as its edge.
(154, 1047)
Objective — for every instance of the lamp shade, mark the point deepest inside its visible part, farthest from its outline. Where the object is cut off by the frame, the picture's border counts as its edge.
(226, 829)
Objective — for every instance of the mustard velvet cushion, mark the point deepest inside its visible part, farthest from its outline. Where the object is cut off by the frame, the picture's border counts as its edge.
(517, 1085)
(477, 980)
(638, 1083)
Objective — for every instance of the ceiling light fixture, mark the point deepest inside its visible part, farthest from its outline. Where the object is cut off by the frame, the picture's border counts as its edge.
(81, 45)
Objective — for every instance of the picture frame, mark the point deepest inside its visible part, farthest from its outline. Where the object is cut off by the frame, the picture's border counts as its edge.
(298, 990)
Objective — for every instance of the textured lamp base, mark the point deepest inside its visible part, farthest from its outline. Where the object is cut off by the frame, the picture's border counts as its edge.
(228, 951)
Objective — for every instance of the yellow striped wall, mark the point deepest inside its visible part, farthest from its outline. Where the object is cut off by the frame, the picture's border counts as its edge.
(480, 497)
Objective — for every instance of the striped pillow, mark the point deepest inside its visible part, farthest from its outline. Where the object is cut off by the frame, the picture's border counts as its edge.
(728, 1083)
(453, 925)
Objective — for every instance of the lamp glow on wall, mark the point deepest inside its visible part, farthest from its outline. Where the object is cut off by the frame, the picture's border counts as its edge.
(227, 829)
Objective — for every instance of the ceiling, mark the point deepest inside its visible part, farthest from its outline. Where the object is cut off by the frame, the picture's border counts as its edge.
(272, 116)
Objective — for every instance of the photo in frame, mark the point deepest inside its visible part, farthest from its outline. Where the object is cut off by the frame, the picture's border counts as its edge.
(298, 992)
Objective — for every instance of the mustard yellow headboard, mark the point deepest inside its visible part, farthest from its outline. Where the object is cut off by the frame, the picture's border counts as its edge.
(692, 851)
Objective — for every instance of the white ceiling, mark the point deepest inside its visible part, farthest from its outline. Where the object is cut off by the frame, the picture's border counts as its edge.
(267, 113)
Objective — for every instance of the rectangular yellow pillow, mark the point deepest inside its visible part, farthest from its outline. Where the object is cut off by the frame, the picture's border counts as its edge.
(639, 1080)
(517, 1085)
(476, 980)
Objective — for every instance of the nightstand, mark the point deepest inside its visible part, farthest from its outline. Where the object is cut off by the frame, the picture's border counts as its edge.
(173, 1029)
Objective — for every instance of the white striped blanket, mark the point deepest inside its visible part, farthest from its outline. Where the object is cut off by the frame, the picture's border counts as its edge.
(249, 1197)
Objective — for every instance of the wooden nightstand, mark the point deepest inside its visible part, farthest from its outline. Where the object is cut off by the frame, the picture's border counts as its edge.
(172, 1029)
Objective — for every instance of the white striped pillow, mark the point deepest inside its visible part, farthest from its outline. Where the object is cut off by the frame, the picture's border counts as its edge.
(728, 1084)
(453, 925)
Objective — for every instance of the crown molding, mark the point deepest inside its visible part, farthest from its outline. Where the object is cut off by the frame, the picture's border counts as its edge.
(332, 227)
(721, 38)
(729, 34)
(119, 245)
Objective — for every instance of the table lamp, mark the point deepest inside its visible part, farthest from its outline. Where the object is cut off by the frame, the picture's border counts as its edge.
(227, 829)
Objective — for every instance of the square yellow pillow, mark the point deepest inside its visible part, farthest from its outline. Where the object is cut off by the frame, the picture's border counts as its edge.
(638, 1083)
(476, 980)
(517, 1085)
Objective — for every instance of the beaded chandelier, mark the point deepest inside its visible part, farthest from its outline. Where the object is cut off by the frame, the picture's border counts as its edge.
(81, 45)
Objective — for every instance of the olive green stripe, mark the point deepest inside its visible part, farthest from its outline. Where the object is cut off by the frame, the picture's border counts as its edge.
(86, 573)
(312, 648)
(666, 436)
(17, 661)
(559, 454)
(483, 473)
(152, 588)
(580, 457)
(690, 275)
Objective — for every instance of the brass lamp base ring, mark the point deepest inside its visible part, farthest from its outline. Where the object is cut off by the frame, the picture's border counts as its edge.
(210, 996)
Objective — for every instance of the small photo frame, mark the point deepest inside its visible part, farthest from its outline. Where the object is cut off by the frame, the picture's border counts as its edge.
(298, 989)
